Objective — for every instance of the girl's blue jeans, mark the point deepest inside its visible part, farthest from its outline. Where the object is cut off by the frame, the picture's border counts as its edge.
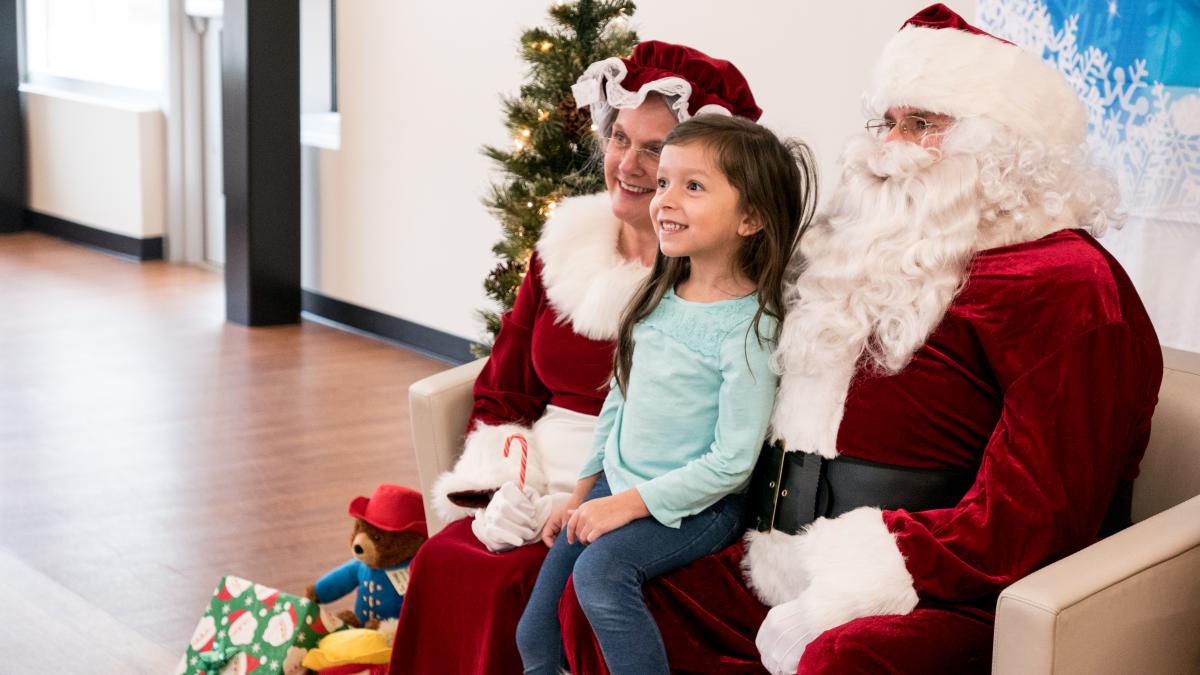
(608, 582)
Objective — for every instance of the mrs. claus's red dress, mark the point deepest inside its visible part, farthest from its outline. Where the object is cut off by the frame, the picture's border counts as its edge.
(554, 351)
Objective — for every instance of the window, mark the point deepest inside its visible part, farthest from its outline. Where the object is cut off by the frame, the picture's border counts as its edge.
(120, 43)
(318, 57)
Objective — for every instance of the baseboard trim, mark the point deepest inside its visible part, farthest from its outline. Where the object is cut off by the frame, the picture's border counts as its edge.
(410, 335)
(12, 218)
(150, 248)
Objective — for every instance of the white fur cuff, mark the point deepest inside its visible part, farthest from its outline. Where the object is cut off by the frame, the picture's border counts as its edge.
(841, 568)
(483, 466)
(772, 566)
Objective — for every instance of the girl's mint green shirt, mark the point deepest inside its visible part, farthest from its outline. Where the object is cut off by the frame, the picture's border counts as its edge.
(699, 400)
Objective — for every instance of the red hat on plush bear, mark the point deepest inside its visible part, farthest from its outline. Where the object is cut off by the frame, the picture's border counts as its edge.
(394, 508)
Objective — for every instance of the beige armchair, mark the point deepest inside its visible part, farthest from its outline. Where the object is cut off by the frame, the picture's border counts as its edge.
(1129, 603)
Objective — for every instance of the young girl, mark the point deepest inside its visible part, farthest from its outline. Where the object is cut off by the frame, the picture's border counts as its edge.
(680, 432)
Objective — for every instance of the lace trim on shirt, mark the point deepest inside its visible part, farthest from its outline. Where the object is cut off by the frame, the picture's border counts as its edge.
(700, 329)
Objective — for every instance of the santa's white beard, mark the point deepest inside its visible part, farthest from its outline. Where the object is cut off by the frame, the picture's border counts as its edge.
(879, 270)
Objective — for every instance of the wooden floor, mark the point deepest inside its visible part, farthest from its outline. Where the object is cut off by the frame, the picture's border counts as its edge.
(147, 447)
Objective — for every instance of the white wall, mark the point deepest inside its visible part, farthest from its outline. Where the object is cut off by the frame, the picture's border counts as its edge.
(96, 163)
(419, 87)
(807, 62)
(315, 48)
(321, 251)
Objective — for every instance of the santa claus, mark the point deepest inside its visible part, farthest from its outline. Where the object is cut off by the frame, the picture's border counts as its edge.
(967, 382)
(959, 349)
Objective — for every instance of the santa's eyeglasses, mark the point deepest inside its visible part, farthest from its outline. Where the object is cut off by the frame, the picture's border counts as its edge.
(911, 126)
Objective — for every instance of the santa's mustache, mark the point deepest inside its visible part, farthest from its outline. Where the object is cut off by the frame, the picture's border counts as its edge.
(897, 159)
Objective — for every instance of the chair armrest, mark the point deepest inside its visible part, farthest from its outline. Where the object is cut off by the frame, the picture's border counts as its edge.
(439, 408)
(1129, 603)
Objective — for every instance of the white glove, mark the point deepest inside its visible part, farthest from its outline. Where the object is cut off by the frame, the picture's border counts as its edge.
(784, 635)
(510, 519)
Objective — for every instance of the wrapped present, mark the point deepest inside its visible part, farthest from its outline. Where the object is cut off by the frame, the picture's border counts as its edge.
(251, 628)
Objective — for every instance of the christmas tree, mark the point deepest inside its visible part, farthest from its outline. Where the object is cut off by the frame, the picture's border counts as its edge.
(551, 157)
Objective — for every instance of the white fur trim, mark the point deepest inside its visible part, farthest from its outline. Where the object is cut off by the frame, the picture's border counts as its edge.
(808, 409)
(600, 87)
(846, 568)
(587, 280)
(483, 466)
(963, 74)
(771, 566)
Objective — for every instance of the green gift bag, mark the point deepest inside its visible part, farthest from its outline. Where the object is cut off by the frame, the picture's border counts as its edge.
(251, 628)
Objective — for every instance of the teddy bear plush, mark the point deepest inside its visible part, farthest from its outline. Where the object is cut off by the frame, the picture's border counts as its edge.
(389, 527)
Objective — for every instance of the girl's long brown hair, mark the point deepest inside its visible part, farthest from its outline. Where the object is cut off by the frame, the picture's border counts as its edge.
(776, 180)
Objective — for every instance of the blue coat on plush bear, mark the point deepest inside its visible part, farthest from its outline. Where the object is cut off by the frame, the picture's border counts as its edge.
(388, 529)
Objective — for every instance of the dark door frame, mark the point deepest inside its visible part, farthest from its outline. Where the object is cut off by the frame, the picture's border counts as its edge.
(12, 128)
(260, 62)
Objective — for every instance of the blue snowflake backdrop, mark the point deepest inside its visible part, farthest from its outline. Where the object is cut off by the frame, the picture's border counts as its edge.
(1136, 66)
(1165, 34)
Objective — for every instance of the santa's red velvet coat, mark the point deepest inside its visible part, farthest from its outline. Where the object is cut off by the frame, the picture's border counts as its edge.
(1041, 378)
(554, 348)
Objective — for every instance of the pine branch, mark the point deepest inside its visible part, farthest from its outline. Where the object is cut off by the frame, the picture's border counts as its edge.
(551, 156)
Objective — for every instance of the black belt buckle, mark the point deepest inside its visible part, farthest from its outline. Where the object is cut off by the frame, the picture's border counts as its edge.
(765, 486)
(803, 494)
(788, 489)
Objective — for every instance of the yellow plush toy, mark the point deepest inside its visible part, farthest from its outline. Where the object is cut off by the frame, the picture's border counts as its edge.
(353, 650)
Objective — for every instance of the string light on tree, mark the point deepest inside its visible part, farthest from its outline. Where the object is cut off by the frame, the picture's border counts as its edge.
(542, 169)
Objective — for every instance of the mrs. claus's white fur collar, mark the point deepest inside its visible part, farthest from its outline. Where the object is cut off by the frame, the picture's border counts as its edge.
(587, 280)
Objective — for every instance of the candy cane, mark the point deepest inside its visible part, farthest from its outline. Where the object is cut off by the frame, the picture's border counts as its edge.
(524, 454)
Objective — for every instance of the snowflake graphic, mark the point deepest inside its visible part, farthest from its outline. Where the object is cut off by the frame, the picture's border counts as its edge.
(1151, 142)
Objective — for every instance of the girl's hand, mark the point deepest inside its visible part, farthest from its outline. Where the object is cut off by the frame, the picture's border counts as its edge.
(559, 515)
(554, 524)
(600, 516)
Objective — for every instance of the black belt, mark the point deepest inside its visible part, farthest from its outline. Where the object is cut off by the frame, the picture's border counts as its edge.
(792, 489)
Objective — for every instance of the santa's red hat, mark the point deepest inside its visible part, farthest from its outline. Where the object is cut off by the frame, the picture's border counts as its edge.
(940, 63)
(394, 508)
(693, 83)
